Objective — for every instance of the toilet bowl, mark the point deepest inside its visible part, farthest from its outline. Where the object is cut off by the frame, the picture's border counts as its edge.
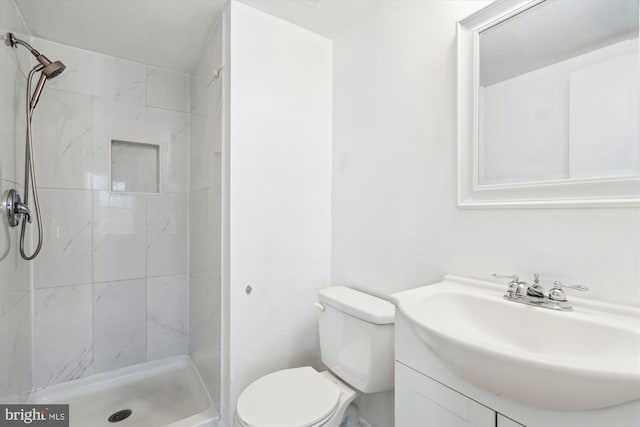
(356, 341)
(300, 397)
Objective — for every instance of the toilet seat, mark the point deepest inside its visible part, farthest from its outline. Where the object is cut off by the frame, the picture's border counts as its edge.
(300, 397)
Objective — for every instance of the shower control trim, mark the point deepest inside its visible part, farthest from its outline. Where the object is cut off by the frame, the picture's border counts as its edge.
(15, 208)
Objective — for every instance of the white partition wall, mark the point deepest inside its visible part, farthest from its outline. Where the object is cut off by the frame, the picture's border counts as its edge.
(280, 193)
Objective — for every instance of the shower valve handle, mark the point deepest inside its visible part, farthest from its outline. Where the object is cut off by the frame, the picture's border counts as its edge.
(23, 209)
(15, 208)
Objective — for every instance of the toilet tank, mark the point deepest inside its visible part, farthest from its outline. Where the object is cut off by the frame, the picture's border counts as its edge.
(356, 338)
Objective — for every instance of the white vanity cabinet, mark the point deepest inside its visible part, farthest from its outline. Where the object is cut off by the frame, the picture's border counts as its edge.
(423, 402)
(429, 394)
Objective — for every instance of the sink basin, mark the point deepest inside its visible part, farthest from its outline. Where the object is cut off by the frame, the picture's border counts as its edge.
(585, 359)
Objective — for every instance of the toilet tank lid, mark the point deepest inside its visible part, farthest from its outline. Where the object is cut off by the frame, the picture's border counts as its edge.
(358, 304)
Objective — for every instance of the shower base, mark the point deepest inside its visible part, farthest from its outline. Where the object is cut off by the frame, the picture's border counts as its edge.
(166, 392)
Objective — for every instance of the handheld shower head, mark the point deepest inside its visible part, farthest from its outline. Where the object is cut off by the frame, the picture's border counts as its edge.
(38, 90)
(50, 69)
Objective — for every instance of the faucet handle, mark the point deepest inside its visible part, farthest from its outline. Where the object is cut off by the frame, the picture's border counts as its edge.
(557, 294)
(506, 276)
(536, 290)
(514, 284)
(23, 209)
(557, 285)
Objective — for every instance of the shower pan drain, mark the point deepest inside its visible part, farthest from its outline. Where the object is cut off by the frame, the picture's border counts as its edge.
(120, 415)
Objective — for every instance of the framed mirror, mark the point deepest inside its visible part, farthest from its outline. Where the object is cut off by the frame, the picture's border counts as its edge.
(548, 104)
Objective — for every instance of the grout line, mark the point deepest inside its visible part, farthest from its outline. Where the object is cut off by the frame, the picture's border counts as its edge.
(188, 166)
(146, 319)
(146, 265)
(21, 18)
(146, 91)
(93, 330)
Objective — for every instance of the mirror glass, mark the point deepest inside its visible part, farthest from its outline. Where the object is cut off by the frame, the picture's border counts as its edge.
(557, 93)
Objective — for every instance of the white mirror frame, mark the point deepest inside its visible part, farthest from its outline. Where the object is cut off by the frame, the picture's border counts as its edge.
(606, 192)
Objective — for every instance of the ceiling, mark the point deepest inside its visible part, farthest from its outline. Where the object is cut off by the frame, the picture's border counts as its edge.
(169, 33)
(325, 17)
(164, 33)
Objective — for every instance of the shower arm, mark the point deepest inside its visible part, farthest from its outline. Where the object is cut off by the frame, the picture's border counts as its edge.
(12, 41)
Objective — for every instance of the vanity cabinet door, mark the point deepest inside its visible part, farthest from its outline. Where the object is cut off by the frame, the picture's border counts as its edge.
(423, 402)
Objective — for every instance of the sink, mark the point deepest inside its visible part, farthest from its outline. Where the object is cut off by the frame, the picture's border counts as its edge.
(585, 359)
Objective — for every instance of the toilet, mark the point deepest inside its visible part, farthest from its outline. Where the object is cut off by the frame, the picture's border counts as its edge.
(356, 341)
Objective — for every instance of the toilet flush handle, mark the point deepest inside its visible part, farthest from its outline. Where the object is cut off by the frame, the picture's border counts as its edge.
(319, 306)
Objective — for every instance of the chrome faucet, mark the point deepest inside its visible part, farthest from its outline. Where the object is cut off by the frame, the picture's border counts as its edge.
(533, 294)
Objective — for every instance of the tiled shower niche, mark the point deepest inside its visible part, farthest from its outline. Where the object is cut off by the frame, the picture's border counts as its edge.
(135, 167)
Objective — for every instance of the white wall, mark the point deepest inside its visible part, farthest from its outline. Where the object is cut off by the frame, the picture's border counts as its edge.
(280, 193)
(394, 221)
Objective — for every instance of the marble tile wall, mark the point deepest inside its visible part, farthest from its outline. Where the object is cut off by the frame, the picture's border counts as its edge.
(111, 283)
(205, 209)
(15, 275)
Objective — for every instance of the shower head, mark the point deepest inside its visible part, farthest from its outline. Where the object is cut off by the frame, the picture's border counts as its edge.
(50, 69)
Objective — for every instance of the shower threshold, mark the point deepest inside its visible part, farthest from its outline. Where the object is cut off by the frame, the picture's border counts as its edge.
(166, 392)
